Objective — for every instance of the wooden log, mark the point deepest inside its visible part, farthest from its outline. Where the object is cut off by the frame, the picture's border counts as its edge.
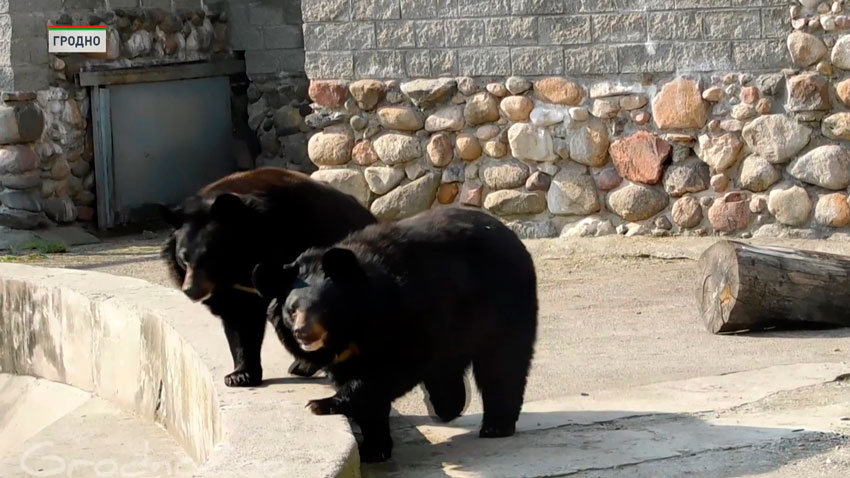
(744, 287)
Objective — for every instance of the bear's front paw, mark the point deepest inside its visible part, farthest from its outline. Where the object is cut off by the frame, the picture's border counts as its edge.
(303, 368)
(375, 453)
(324, 406)
(243, 379)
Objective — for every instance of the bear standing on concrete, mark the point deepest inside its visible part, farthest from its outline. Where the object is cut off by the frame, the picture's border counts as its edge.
(224, 231)
(412, 302)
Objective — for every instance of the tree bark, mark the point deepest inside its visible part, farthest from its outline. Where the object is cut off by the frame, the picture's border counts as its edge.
(743, 287)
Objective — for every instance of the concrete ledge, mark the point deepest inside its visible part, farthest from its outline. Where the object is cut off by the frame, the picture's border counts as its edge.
(151, 352)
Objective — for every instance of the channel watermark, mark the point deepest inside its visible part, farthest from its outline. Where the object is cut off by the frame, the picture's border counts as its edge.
(76, 39)
(39, 461)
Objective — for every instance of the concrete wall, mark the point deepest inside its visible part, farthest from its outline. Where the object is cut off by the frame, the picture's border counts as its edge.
(151, 352)
(421, 38)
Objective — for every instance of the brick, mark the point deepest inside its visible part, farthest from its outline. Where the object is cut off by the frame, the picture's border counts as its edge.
(512, 31)
(428, 8)
(466, 32)
(655, 58)
(161, 4)
(261, 61)
(265, 13)
(564, 30)
(620, 27)
(291, 13)
(247, 37)
(30, 78)
(704, 56)
(325, 10)
(758, 3)
(290, 61)
(395, 34)
(375, 9)
(537, 60)
(704, 4)
(595, 6)
(732, 24)
(484, 62)
(30, 25)
(379, 64)
(70, 4)
(282, 36)
(674, 26)
(591, 59)
(430, 33)
(761, 54)
(482, 8)
(774, 23)
(539, 7)
(417, 63)
(329, 65)
(443, 62)
(26, 6)
(237, 15)
(7, 78)
(338, 36)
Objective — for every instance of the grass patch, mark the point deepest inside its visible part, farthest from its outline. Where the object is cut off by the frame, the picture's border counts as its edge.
(42, 246)
(23, 258)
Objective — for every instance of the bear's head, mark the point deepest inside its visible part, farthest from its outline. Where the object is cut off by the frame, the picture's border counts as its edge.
(212, 241)
(318, 297)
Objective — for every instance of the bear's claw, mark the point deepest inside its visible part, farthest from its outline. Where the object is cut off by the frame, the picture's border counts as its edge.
(243, 379)
(324, 406)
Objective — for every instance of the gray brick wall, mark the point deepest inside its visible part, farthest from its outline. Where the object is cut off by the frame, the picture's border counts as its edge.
(420, 38)
(270, 34)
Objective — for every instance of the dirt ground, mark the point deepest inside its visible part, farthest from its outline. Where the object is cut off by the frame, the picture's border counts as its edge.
(615, 313)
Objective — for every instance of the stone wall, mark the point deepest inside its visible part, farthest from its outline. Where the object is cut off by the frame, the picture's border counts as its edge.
(269, 33)
(655, 117)
(46, 152)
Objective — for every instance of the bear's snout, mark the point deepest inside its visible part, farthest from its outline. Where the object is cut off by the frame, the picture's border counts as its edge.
(196, 286)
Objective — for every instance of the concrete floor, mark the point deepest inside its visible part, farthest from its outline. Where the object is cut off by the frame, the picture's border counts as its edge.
(52, 429)
(616, 314)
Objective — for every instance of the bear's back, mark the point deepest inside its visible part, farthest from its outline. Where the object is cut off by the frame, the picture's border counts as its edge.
(451, 255)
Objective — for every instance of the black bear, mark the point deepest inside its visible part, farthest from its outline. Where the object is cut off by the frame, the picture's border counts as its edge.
(227, 228)
(416, 301)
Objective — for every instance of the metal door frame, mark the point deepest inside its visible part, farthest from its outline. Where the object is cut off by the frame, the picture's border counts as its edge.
(101, 109)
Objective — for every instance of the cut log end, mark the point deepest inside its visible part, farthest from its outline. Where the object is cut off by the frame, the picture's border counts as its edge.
(717, 289)
(746, 287)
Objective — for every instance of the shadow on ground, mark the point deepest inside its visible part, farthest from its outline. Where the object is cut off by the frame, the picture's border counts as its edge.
(639, 445)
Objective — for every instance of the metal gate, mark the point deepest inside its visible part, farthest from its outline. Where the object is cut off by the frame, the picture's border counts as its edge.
(158, 141)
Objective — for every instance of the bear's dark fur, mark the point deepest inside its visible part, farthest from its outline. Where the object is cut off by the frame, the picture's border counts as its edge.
(224, 231)
(417, 301)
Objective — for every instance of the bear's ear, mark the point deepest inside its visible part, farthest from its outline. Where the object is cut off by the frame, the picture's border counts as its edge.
(172, 216)
(341, 265)
(227, 206)
(271, 280)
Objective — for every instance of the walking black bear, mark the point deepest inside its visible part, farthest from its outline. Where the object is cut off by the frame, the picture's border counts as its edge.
(224, 231)
(412, 302)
